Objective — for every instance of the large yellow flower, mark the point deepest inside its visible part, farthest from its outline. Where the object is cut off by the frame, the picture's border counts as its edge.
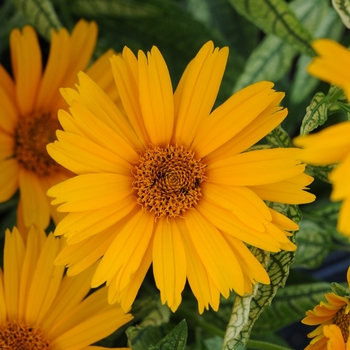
(335, 311)
(332, 145)
(41, 309)
(171, 183)
(28, 113)
(331, 64)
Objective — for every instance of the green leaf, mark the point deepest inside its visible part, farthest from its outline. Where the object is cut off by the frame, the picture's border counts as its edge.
(276, 17)
(246, 310)
(214, 343)
(289, 305)
(313, 243)
(121, 8)
(175, 340)
(273, 58)
(316, 113)
(339, 290)
(149, 331)
(279, 138)
(324, 24)
(41, 14)
(343, 9)
(320, 172)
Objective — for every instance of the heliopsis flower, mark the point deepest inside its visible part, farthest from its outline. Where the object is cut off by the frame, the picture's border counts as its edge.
(41, 309)
(28, 113)
(335, 311)
(332, 145)
(171, 184)
(335, 338)
(331, 64)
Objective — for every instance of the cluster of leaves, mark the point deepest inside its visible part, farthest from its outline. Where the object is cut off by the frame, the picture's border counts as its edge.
(268, 40)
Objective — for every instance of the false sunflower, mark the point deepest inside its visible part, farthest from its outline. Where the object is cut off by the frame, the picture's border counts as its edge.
(332, 145)
(42, 310)
(28, 113)
(171, 183)
(335, 311)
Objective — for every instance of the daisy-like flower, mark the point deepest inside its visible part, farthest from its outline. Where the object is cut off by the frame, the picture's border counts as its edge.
(335, 338)
(170, 183)
(335, 311)
(331, 64)
(28, 113)
(42, 310)
(332, 145)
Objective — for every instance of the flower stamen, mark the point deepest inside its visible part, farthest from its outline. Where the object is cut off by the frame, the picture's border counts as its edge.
(167, 180)
(20, 336)
(342, 320)
(33, 133)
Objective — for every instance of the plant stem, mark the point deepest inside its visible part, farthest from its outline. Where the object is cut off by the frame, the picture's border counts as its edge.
(262, 345)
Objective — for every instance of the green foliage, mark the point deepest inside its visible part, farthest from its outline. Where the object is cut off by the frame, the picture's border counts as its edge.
(40, 14)
(343, 8)
(289, 305)
(276, 17)
(174, 340)
(313, 243)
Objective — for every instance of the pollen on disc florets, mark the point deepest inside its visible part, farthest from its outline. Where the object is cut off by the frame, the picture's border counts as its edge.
(16, 335)
(342, 320)
(167, 180)
(33, 133)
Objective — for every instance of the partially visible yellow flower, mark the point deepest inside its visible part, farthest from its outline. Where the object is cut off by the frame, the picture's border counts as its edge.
(331, 64)
(335, 311)
(28, 113)
(329, 146)
(42, 309)
(170, 183)
(335, 338)
(332, 145)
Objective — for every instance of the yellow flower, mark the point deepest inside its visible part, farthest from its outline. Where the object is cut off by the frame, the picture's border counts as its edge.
(332, 145)
(171, 183)
(28, 113)
(41, 309)
(335, 311)
(331, 64)
(335, 338)
(329, 146)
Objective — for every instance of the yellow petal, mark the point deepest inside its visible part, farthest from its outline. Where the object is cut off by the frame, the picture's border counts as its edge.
(8, 179)
(156, 97)
(169, 262)
(34, 200)
(290, 191)
(13, 263)
(26, 66)
(90, 191)
(125, 72)
(197, 91)
(199, 280)
(125, 254)
(272, 165)
(232, 116)
(327, 146)
(215, 253)
(3, 307)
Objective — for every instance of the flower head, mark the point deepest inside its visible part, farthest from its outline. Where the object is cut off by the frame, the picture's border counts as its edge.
(331, 64)
(171, 184)
(332, 145)
(335, 311)
(28, 113)
(40, 309)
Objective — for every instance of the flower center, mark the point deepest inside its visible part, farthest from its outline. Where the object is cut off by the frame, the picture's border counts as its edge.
(342, 320)
(33, 133)
(19, 336)
(167, 180)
